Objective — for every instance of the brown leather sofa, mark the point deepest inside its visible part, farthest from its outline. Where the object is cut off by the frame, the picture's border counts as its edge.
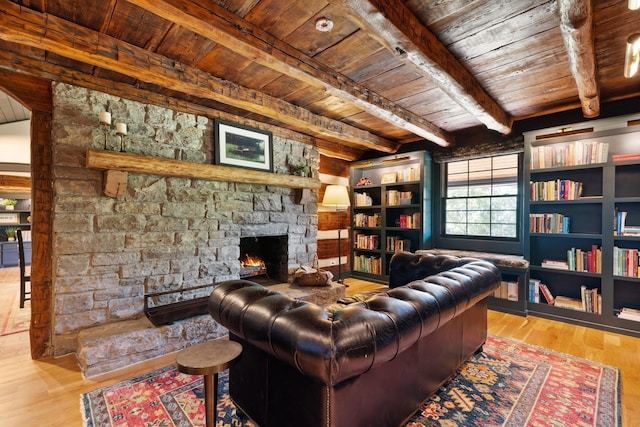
(368, 360)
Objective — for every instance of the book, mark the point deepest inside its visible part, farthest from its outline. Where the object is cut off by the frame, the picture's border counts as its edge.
(546, 293)
(534, 290)
(566, 302)
(512, 291)
(556, 264)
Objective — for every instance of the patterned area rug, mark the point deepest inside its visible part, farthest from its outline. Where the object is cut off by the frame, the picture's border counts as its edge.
(508, 384)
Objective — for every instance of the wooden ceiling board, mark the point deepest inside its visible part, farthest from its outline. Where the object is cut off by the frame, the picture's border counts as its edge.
(267, 15)
(224, 63)
(184, 45)
(137, 26)
(311, 41)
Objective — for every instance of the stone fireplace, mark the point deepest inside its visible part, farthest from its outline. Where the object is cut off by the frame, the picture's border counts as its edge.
(167, 234)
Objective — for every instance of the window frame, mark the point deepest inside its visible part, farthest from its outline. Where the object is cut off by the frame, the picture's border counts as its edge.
(510, 245)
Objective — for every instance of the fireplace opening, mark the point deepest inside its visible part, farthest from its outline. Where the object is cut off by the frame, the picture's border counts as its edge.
(264, 259)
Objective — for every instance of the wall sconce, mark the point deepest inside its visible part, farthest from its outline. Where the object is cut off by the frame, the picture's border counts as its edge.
(632, 55)
(634, 4)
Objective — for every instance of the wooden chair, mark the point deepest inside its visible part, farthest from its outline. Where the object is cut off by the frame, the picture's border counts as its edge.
(25, 271)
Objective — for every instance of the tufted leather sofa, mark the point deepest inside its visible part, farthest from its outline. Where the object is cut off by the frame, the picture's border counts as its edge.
(368, 360)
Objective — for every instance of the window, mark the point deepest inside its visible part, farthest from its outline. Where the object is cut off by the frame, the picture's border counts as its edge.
(481, 197)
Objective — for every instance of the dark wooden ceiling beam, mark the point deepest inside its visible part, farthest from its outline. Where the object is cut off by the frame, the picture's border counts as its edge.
(395, 27)
(28, 27)
(244, 38)
(576, 24)
(12, 62)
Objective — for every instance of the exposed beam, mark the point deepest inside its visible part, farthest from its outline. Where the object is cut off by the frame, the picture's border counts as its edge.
(28, 27)
(576, 23)
(246, 39)
(395, 27)
(15, 184)
(31, 66)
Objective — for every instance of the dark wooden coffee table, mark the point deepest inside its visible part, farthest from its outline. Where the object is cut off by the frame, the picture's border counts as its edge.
(207, 359)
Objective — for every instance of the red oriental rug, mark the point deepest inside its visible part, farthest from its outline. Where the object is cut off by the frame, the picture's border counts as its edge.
(508, 384)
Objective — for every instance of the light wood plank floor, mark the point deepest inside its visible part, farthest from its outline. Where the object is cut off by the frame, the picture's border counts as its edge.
(46, 392)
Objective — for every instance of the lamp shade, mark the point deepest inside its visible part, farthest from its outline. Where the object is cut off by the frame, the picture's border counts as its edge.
(336, 195)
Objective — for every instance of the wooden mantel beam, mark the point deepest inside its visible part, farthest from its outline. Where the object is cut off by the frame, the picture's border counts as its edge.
(246, 39)
(127, 162)
(576, 24)
(24, 26)
(395, 27)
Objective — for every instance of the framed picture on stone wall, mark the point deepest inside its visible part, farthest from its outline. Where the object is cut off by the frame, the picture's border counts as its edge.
(237, 145)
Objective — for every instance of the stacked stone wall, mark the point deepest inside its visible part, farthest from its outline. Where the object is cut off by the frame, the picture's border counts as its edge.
(165, 233)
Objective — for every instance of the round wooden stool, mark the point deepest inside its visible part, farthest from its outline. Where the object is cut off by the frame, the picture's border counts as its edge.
(207, 359)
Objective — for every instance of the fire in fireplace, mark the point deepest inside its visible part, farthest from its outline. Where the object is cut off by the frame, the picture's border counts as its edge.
(252, 266)
(264, 259)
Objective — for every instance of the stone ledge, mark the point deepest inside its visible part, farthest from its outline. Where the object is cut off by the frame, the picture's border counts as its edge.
(106, 348)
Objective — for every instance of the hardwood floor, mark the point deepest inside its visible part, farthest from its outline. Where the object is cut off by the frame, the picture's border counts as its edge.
(46, 392)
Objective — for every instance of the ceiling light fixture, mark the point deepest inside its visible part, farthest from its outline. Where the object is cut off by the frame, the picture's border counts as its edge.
(324, 24)
(632, 55)
(634, 4)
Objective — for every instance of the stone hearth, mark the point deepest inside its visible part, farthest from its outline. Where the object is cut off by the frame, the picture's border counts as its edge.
(105, 348)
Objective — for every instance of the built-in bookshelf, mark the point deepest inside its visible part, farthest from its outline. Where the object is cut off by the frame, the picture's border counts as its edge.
(584, 224)
(391, 211)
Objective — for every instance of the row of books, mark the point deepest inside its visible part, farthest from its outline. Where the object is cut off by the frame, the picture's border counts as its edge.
(367, 241)
(395, 197)
(367, 220)
(625, 262)
(409, 174)
(507, 290)
(362, 199)
(536, 287)
(549, 223)
(620, 226)
(559, 189)
(367, 264)
(572, 154)
(629, 314)
(589, 261)
(590, 300)
(398, 244)
(409, 220)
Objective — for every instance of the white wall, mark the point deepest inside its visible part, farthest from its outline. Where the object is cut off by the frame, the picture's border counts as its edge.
(15, 143)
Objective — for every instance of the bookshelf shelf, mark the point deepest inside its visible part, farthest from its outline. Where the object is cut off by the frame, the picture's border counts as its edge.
(399, 189)
(608, 187)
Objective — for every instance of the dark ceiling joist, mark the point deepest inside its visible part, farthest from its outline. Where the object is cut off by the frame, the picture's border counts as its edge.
(576, 24)
(244, 38)
(28, 27)
(395, 27)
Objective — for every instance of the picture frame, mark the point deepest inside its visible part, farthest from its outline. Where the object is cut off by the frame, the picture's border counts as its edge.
(388, 178)
(242, 146)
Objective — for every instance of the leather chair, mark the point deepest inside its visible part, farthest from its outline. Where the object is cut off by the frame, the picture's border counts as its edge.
(25, 271)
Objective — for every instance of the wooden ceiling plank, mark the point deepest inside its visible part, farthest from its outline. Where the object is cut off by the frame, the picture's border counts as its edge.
(227, 29)
(396, 28)
(576, 24)
(25, 26)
